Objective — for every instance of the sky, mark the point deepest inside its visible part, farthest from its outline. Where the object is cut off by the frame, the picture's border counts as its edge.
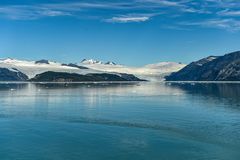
(131, 32)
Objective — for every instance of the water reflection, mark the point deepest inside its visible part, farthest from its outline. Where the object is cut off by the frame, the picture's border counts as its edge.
(223, 92)
(164, 117)
(93, 93)
(12, 86)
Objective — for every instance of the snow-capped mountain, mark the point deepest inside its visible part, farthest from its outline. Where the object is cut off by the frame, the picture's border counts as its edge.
(32, 68)
(212, 68)
(91, 61)
(152, 72)
(110, 63)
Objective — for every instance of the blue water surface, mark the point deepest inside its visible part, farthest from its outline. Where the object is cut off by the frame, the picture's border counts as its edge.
(142, 121)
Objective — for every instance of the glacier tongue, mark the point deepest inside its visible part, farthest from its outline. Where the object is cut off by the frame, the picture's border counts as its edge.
(152, 72)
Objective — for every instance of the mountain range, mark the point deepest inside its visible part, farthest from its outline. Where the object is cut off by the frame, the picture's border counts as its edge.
(86, 70)
(212, 68)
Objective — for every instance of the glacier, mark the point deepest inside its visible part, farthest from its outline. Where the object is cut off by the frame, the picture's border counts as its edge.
(151, 72)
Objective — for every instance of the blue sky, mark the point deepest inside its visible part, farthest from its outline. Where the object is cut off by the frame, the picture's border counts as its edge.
(132, 32)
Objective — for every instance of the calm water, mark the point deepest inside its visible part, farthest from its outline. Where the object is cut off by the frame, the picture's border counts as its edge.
(148, 121)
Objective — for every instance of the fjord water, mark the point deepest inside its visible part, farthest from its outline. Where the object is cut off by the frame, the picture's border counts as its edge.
(120, 121)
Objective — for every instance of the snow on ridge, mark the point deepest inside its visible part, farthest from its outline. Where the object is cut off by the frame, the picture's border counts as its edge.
(91, 61)
(13, 69)
(210, 58)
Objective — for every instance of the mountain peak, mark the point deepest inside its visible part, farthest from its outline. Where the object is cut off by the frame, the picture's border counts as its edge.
(110, 63)
(7, 59)
(42, 61)
(91, 61)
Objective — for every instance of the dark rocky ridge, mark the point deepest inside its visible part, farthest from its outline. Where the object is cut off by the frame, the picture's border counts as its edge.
(43, 61)
(213, 68)
(73, 77)
(74, 65)
(8, 75)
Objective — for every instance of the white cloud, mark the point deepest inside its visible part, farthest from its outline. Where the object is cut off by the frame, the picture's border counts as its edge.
(162, 2)
(30, 12)
(226, 24)
(229, 13)
(127, 19)
(214, 11)
(52, 13)
(74, 8)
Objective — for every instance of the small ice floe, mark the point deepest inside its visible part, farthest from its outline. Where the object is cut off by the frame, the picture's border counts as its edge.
(12, 89)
